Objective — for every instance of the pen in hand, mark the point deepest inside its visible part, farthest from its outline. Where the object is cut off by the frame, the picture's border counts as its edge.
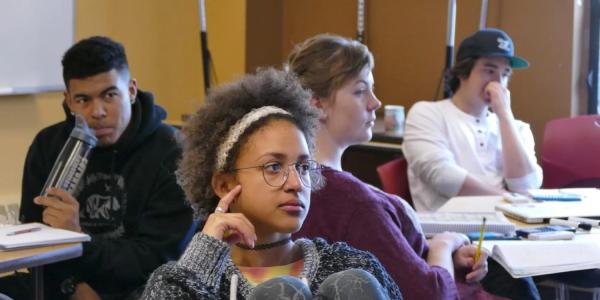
(28, 230)
(481, 231)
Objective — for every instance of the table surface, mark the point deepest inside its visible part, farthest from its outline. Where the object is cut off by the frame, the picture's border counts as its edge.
(488, 204)
(38, 256)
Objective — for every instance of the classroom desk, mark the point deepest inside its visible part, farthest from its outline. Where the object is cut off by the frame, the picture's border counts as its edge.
(487, 204)
(36, 258)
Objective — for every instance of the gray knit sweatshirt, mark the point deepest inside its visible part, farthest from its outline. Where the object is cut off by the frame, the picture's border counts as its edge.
(205, 270)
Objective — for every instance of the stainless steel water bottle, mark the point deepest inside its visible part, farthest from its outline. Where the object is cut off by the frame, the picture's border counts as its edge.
(72, 160)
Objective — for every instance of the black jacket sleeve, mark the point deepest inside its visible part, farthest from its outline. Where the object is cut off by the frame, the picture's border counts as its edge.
(38, 163)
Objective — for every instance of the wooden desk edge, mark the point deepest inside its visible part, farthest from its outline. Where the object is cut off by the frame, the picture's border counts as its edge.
(33, 257)
(380, 145)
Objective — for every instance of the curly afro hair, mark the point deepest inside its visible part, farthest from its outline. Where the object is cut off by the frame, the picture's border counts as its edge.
(209, 126)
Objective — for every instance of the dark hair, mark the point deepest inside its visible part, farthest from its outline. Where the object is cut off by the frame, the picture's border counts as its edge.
(92, 56)
(325, 62)
(461, 69)
(209, 127)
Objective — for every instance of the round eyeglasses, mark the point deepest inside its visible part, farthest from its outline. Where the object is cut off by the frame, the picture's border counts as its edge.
(276, 174)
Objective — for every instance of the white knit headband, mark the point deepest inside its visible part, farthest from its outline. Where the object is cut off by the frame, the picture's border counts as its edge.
(238, 129)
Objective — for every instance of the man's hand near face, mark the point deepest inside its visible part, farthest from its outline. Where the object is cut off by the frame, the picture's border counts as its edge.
(61, 209)
(515, 161)
(499, 100)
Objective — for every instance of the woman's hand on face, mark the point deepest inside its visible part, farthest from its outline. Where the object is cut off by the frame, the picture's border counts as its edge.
(464, 259)
(230, 227)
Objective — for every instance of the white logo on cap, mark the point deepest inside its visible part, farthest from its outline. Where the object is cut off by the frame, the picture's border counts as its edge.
(503, 44)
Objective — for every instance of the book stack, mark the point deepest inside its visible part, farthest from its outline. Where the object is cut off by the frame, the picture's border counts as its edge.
(554, 195)
(464, 222)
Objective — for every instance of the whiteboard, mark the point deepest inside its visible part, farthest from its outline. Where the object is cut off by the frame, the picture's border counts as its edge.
(34, 34)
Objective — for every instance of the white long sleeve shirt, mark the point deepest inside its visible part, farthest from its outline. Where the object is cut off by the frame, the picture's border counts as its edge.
(442, 144)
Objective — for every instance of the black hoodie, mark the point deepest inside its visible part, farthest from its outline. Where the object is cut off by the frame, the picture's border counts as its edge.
(129, 201)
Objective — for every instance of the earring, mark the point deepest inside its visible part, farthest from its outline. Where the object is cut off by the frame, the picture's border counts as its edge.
(322, 115)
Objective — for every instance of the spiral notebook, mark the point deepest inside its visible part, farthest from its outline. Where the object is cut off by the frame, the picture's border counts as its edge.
(464, 222)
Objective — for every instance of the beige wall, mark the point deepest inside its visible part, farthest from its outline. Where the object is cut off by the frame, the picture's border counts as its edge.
(162, 43)
(542, 92)
(407, 38)
(163, 47)
(162, 39)
(21, 117)
(227, 37)
(263, 34)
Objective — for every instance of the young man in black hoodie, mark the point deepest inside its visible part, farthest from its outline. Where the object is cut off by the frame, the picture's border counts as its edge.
(128, 199)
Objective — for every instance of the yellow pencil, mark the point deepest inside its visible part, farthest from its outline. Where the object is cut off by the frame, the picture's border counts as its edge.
(481, 231)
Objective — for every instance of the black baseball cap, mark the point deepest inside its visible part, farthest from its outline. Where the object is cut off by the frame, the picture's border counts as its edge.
(490, 42)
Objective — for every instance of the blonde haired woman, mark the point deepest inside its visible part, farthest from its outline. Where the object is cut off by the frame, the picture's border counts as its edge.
(338, 72)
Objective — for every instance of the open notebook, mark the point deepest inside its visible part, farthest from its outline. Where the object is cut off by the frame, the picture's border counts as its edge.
(532, 258)
(36, 234)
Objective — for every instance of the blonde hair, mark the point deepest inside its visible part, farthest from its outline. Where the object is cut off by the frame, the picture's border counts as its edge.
(323, 63)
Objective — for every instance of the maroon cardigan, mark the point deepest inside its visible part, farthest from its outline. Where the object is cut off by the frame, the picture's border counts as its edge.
(349, 210)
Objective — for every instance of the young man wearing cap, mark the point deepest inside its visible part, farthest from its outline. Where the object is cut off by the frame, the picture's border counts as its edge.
(471, 144)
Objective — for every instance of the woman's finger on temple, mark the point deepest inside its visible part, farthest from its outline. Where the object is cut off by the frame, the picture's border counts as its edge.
(224, 203)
